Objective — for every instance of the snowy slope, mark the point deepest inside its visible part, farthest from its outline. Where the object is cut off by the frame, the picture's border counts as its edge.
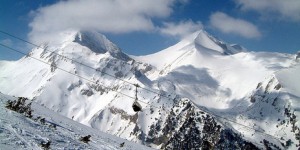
(19, 132)
(200, 70)
(85, 97)
(227, 85)
(274, 107)
(200, 73)
(289, 79)
(199, 41)
(35, 79)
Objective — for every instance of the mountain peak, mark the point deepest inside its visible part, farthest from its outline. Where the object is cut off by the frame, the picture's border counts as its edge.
(203, 39)
(95, 41)
(98, 43)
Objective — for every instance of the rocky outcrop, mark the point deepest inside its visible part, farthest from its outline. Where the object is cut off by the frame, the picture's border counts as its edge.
(185, 127)
(268, 98)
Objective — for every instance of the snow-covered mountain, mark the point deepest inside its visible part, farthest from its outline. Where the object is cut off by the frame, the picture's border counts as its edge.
(200, 69)
(186, 91)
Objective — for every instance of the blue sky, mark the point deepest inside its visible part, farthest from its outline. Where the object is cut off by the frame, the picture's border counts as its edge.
(142, 27)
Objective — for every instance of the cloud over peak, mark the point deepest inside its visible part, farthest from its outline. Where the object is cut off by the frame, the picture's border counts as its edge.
(108, 16)
(180, 29)
(230, 25)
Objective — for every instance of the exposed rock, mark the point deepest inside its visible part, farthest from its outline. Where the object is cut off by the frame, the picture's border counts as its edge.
(87, 92)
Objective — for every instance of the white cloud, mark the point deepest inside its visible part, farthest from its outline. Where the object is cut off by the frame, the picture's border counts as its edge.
(7, 42)
(184, 1)
(282, 9)
(230, 25)
(180, 29)
(108, 16)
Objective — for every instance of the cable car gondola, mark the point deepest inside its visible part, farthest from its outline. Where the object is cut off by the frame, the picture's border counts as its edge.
(136, 106)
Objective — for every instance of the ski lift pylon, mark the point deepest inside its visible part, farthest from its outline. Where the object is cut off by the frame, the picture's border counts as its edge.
(136, 106)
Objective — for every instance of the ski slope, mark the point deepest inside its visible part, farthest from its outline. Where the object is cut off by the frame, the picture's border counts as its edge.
(19, 132)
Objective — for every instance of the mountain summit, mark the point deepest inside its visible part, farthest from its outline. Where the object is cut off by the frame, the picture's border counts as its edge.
(203, 39)
(92, 42)
(98, 43)
(192, 50)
